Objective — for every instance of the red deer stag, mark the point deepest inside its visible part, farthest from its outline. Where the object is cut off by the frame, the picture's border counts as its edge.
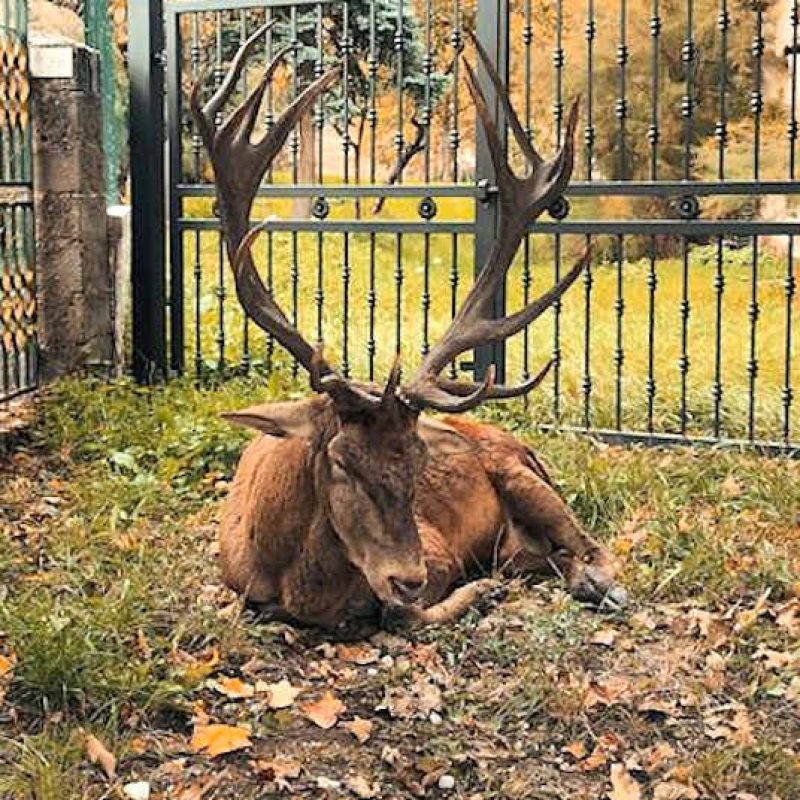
(351, 502)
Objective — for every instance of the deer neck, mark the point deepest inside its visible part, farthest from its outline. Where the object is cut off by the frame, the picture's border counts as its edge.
(324, 587)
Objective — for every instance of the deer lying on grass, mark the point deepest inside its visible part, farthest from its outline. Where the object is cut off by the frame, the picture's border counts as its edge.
(352, 501)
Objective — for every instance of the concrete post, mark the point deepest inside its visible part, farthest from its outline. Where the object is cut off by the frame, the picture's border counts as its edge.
(75, 282)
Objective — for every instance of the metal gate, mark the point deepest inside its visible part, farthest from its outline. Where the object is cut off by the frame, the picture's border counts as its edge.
(18, 350)
(384, 205)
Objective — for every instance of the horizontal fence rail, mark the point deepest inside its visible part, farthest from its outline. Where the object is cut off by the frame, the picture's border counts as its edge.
(684, 328)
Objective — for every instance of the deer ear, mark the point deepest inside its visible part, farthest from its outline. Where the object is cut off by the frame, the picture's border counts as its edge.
(442, 439)
(276, 419)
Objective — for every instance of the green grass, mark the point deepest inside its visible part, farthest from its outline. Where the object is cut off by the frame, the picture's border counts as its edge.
(405, 306)
(110, 589)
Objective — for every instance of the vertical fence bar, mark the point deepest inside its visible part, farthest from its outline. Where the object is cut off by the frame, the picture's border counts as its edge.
(346, 267)
(197, 150)
(527, 42)
(319, 120)
(787, 395)
(588, 278)
(653, 136)
(492, 25)
(399, 143)
(427, 205)
(688, 112)
(457, 42)
(175, 139)
(621, 110)
(717, 390)
(294, 150)
(372, 298)
(269, 119)
(219, 74)
(243, 88)
(558, 116)
(147, 189)
(757, 107)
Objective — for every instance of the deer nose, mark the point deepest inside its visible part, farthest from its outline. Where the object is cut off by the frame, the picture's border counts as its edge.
(408, 588)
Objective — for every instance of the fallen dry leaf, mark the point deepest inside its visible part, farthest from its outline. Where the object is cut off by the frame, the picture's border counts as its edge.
(657, 755)
(235, 688)
(360, 728)
(604, 637)
(789, 617)
(775, 659)
(195, 669)
(742, 728)
(642, 619)
(656, 705)
(279, 769)
(325, 711)
(672, 790)
(623, 785)
(281, 694)
(198, 791)
(731, 487)
(576, 749)
(748, 617)
(738, 729)
(360, 654)
(7, 664)
(598, 758)
(216, 740)
(360, 787)
(606, 691)
(99, 754)
(428, 696)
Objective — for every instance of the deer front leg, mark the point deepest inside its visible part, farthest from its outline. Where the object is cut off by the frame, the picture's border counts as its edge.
(542, 522)
(440, 602)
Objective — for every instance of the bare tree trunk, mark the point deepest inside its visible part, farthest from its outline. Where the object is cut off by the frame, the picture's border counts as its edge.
(306, 166)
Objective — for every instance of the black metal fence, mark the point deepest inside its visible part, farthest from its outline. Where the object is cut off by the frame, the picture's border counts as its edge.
(18, 364)
(384, 205)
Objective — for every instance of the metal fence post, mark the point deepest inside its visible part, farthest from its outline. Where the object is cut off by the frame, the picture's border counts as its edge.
(147, 188)
(492, 31)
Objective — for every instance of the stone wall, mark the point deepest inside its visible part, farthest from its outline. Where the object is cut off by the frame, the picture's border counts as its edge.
(55, 21)
(75, 284)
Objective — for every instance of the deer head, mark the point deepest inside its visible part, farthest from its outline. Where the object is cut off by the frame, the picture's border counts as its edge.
(369, 444)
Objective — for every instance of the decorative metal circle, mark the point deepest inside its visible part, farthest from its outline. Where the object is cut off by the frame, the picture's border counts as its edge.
(689, 207)
(559, 209)
(215, 208)
(321, 208)
(427, 208)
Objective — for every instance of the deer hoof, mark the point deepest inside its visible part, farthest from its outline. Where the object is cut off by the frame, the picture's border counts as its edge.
(615, 599)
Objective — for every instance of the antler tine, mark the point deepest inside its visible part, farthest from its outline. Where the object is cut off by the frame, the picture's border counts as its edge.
(239, 167)
(222, 95)
(241, 123)
(434, 396)
(497, 330)
(499, 161)
(522, 200)
(523, 141)
(279, 132)
(460, 388)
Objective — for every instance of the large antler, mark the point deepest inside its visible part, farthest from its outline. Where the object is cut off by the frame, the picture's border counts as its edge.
(522, 200)
(239, 168)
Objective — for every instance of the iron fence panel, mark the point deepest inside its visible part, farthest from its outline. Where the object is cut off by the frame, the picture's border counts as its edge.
(383, 204)
(18, 348)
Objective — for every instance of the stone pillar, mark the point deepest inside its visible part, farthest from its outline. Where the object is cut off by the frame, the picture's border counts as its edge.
(75, 285)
